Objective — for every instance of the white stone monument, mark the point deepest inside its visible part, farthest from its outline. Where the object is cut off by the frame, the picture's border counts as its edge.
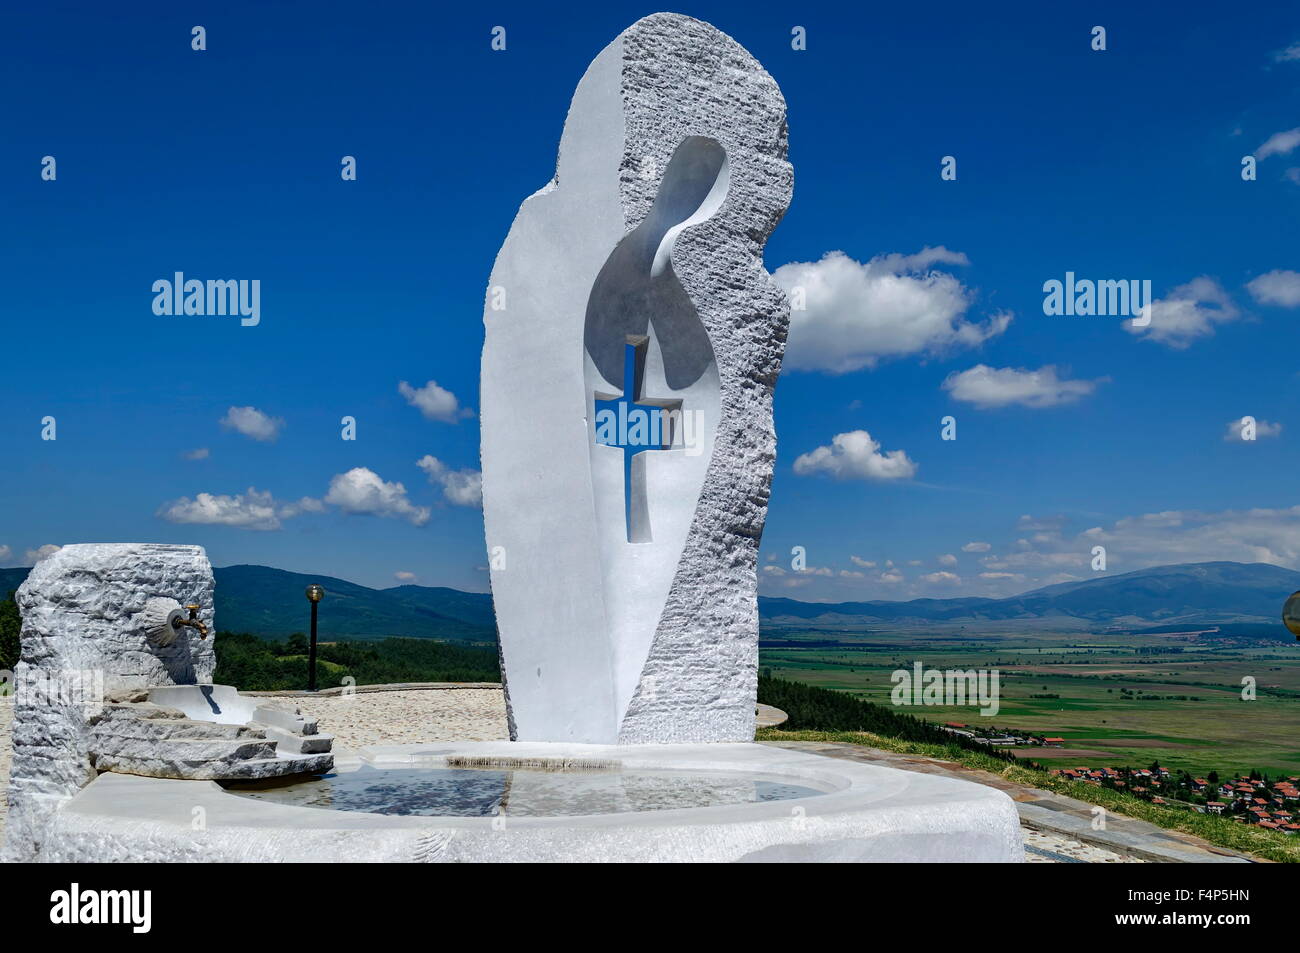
(633, 339)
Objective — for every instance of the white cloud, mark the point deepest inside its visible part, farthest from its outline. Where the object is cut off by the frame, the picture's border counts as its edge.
(6, 554)
(200, 453)
(1178, 536)
(1279, 144)
(988, 387)
(1034, 560)
(864, 563)
(251, 510)
(855, 456)
(1160, 538)
(947, 559)
(1188, 312)
(403, 576)
(976, 548)
(891, 577)
(1290, 54)
(1263, 428)
(305, 505)
(252, 423)
(1042, 524)
(435, 402)
(942, 578)
(462, 487)
(361, 491)
(857, 314)
(33, 556)
(1279, 288)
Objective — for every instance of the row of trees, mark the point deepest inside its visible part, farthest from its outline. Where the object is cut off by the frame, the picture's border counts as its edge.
(256, 664)
(822, 709)
(10, 624)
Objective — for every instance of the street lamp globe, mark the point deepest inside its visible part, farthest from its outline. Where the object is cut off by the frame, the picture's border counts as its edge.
(1291, 614)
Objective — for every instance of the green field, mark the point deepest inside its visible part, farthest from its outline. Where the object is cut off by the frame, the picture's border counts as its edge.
(1122, 699)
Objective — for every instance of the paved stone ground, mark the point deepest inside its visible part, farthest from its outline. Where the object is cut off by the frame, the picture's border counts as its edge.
(1044, 848)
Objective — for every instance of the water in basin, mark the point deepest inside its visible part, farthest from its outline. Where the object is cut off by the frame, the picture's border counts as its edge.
(519, 792)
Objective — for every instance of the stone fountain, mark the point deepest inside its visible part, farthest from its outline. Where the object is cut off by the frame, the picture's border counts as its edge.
(632, 343)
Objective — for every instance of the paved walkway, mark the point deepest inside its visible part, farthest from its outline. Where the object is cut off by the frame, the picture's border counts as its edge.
(1056, 821)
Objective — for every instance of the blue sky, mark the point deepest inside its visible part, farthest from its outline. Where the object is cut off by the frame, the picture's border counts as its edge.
(1071, 431)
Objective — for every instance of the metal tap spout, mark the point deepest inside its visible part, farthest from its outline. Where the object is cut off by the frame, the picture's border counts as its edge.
(193, 622)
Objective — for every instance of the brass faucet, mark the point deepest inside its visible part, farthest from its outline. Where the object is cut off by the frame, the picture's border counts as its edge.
(194, 622)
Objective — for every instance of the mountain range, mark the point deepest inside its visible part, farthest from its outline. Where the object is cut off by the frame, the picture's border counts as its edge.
(270, 602)
(1187, 593)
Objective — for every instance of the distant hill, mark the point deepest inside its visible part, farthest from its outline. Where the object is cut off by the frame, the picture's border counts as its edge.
(1187, 594)
(11, 579)
(269, 602)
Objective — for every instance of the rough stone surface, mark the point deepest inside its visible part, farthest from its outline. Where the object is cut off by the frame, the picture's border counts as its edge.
(682, 77)
(85, 629)
(213, 733)
(643, 230)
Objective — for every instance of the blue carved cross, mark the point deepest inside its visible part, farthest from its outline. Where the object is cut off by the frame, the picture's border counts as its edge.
(635, 423)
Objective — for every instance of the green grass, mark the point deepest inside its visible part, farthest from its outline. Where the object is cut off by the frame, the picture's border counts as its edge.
(1222, 832)
(1212, 729)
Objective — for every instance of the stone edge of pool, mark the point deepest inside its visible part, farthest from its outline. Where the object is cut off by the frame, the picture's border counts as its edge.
(869, 814)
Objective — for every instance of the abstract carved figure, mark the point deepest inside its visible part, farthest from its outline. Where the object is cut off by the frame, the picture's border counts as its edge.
(633, 340)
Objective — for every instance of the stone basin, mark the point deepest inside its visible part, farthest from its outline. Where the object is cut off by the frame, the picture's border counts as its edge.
(855, 812)
(220, 703)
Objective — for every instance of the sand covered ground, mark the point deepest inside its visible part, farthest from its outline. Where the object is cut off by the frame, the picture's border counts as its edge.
(410, 717)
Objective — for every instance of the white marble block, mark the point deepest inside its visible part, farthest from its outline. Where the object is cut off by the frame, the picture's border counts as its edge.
(89, 630)
(625, 581)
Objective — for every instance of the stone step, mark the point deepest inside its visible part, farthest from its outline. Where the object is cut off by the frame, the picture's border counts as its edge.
(275, 767)
(286, 719)
(176, 729)
(289, 743)
(182, 750)
(115, 710)
(246, 770)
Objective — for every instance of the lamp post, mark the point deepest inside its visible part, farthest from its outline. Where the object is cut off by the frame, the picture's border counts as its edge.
(1291, 614)
(314, 595)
